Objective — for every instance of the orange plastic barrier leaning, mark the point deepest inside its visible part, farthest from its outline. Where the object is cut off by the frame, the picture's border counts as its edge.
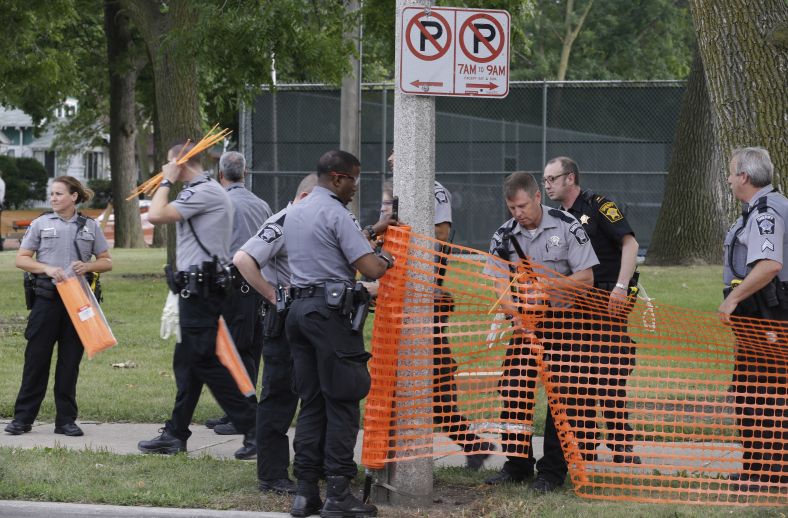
(86, 315)
(229, 357)
(665, 405)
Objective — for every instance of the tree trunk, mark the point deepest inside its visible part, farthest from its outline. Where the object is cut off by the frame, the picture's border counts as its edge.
(570, 35)
(174, 76)
(694, 213)
(746, 74)
(122, 126)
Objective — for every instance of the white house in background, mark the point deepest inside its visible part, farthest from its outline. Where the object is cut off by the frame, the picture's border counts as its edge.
(18, 139)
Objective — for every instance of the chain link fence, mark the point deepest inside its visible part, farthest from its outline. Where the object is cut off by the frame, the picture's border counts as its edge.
(620, 133)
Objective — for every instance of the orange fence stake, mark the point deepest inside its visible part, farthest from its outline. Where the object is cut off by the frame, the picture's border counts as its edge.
(229, 357)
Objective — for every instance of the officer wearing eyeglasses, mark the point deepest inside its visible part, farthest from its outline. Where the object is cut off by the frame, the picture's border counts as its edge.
(615, 246)
(756, 281)
(326, 246)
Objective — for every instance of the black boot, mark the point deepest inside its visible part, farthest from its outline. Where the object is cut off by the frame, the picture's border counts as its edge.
(166, 443)
(341, 503)
(249, 449)
(307, 500)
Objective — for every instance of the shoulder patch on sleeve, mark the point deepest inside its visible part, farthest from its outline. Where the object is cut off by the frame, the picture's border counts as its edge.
(185, 194)
(440, 195)
(765, 224)
(611, 212)
(566, 218)
(270, 233)
(355, 221)
(580, 235)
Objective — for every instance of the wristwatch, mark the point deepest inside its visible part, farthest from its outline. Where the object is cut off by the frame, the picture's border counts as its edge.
(370, 230)
(165, 183)
(389, 262)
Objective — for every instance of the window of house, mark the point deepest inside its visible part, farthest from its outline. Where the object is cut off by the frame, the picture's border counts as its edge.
(93, 164)
(50, 163)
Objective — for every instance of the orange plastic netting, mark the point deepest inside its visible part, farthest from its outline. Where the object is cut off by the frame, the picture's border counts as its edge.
(669, 405)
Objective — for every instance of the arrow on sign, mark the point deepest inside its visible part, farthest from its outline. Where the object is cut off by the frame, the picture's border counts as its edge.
(419, 84)
(482, 86)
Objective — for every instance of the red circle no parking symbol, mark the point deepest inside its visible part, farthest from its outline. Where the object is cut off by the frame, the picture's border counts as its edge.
(428, 34)
(483, 50)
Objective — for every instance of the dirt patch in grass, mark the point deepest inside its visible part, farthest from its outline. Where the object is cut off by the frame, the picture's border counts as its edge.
(12, 325)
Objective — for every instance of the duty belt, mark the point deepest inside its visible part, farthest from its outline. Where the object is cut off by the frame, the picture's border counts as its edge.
(309, 291)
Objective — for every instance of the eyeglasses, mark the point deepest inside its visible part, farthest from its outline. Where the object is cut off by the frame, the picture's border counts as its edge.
(550, 180)
(356, 179)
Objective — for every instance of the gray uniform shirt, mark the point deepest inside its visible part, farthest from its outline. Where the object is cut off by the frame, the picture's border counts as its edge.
(206, 204)
(268, 249)
(559, 243)
(442, 204)
(762, 237)
(323, 240)
(250, 213)
(52, 238)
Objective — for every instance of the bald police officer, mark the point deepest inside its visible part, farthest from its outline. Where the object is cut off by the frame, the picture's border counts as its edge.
(203, 213)
(242, 307)
(617, 250)
(326, 247)
(756, 280)
(554, 239)
(263, 262)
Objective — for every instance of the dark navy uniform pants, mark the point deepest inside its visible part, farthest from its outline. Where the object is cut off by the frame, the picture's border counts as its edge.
(195, 363)
(276, 408)
(331, 379)
(49, 323)
(242, 314)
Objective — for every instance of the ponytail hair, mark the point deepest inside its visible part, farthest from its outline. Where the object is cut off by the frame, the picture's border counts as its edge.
(75, 186)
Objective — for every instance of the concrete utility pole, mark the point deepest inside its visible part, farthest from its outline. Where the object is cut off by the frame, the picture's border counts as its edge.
(350, 103)
(414, 177)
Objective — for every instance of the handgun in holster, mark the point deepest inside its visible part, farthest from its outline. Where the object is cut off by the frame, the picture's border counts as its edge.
(274, 320)
(194, 282)
(360, 297)
(29, 282)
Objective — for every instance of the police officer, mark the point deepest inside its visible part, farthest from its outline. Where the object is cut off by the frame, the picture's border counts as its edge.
(242, 307)
(614, 244)
(203, 213)
(446, 413)
(326, 247)
(262, 261)
(755, 275)
(61, 240)
(555, 240)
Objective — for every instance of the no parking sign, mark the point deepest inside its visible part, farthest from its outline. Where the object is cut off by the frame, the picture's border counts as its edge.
(454, 52)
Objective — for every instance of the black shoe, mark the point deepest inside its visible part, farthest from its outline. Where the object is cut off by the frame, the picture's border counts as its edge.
(70, 429)
(226, 429)
(476, 461)
(624, 454)
(166, 444)
(504, 477)
(341, 503)
(307, 500)
(543, 485)
(249, 449)
(18, 427)
(211, 423)
(283, 486)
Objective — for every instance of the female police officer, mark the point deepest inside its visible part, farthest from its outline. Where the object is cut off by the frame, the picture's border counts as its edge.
(61, 240)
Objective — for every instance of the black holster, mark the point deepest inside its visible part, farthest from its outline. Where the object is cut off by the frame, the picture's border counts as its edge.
(275, 315)
(361, 298)
(770, 302)
(94, 281)
(29, 282)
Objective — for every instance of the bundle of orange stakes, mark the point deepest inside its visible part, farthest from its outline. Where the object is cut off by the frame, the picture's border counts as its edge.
(85, 314)
(213, 136)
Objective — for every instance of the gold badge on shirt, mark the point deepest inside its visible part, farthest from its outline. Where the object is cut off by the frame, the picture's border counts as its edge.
(611, 212)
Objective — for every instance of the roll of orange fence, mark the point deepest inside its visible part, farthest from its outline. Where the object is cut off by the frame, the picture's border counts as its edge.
(229, 357)
(652, 404)
(86, 315)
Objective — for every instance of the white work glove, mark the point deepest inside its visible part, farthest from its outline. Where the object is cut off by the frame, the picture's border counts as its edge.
(498, 329)
(170, 319)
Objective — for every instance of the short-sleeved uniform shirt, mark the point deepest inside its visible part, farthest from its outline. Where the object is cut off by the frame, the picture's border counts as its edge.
(606, 226)
(267, 248)
(250, 213)
(52, 239)
(559, 243)
(442, 204)
(759, 235)
(323, 240)
(207, 205)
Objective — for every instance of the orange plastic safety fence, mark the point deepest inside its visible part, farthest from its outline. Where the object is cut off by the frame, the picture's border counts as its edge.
(664, 404)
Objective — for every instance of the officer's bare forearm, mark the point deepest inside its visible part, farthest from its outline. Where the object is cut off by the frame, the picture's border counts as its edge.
(24, 261)
(442, 231)
(372, 266)
(629, 258)
(103, 263)
(762, 274)
(250, 270)
(583, 277)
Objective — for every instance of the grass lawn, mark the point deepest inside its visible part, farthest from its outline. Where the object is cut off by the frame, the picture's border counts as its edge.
(134, 295)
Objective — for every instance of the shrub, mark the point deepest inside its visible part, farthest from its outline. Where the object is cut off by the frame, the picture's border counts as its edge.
(103, 193)
(25, 181)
